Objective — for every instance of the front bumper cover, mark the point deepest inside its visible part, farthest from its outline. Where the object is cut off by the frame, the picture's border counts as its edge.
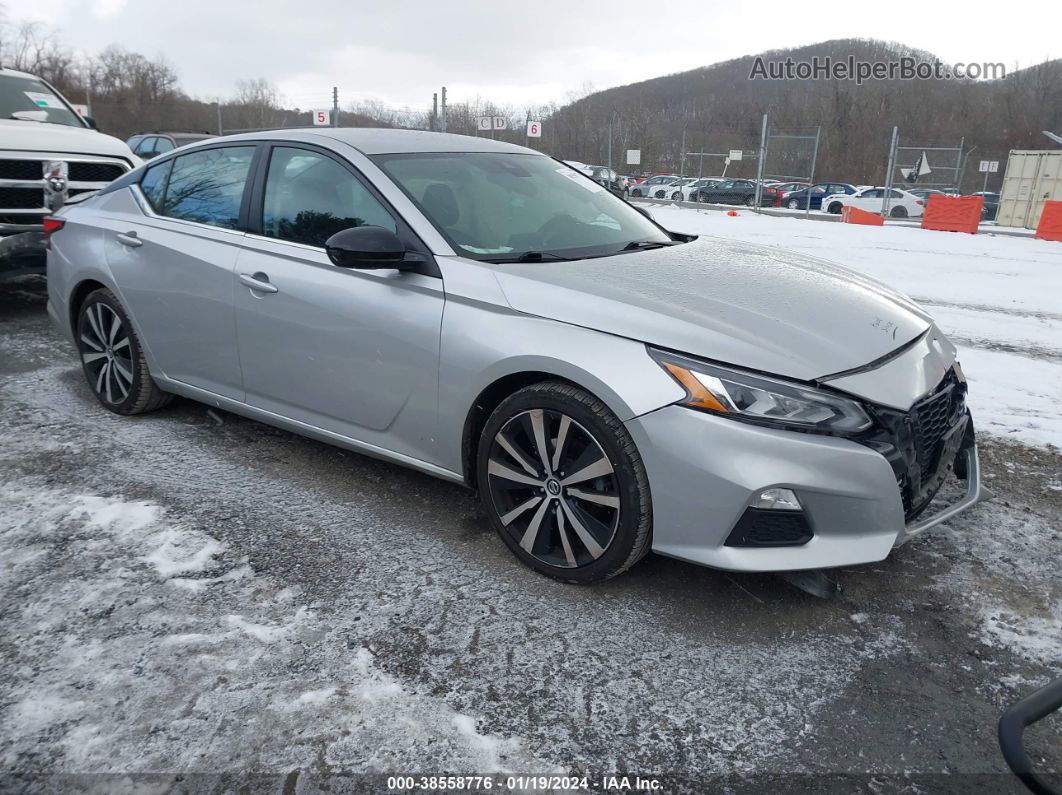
(704, 470)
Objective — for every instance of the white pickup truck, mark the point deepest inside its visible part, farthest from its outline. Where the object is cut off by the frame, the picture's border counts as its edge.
(49, 155)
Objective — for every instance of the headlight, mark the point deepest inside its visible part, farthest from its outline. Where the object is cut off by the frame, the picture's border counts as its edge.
(755, 398)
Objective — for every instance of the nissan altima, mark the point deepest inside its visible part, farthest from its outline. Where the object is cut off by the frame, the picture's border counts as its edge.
(486, 314)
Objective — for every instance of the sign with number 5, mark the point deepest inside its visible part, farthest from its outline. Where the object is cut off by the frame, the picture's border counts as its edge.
(534, 129)
(321, 118)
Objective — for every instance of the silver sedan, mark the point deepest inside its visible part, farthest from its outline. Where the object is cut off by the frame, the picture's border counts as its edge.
(489, 315)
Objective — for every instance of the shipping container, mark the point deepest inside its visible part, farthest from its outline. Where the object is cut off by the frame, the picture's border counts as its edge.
(1031, 178)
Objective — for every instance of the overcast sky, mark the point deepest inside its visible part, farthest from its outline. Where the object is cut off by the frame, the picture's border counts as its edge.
(515, 53)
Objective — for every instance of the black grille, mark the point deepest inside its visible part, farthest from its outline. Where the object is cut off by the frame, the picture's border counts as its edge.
(913, 442)
(94, 172)
(759, 528)
(21, 169)
(933, 418)
(21, 198)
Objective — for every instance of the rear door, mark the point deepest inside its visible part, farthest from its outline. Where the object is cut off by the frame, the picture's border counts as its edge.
(354, 352)
(171, 243)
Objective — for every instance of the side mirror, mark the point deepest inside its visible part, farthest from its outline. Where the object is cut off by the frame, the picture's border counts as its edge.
(366, 248)
(91, 122)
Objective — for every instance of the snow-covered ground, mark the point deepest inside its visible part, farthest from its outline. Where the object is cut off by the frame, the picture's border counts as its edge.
(999, 298)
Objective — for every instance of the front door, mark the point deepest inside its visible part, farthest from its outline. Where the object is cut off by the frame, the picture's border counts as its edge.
(352, 352)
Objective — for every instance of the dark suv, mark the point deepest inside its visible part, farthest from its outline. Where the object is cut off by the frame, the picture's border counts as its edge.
(147, 145)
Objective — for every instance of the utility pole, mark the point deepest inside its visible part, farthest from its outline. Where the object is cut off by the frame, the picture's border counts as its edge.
(760, 164)
(610, 145)
(434, 111)
(335, 106)
(682, 155)
(811, 179)
(888, 174)
(444, 108)
(221, 129)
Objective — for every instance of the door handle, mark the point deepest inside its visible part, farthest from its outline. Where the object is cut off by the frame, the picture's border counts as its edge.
(260, 284)
(130, 239)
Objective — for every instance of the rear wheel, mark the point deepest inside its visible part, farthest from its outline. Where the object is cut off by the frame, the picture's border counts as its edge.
(677, 196)
(750, 200)
(112, 358)
(563, 484)
(659, 194)
(898, 212)
(835, 208)
(793, 204)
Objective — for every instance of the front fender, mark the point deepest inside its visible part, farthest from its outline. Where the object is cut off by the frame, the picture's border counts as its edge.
(481, 345)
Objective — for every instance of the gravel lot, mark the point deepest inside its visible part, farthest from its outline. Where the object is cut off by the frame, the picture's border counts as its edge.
(190, 592)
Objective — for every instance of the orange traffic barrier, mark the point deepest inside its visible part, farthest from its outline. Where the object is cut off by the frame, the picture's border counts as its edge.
(1050, 226)
(853, 215)
(953, 213)
(731, 212)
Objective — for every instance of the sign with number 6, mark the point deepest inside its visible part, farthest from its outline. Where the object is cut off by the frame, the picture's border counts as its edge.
(534, 129)
(321, 118)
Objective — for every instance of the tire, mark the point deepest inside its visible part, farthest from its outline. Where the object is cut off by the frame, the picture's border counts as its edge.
(750, 201)
(636, 192)
(659, 194)
(113, 359)
(835, 208)
(583, 532)
(793, 204)
(676, 196)
(898, 212)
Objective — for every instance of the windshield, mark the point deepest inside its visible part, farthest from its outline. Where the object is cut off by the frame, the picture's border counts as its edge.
(25, 94)
(503, 205)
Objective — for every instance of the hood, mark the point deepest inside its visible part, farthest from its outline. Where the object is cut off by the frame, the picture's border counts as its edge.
(752, 306)
(60, 139)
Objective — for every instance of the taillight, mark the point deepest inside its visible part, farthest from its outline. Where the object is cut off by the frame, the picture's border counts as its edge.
(51, 226)
(920, 202)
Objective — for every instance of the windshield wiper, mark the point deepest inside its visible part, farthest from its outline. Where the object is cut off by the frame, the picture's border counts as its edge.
(645, 245)
(530, 256)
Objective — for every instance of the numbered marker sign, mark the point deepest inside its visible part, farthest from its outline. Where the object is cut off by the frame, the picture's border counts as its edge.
(500, 123)
(321, 118)
(534, 129)
(484, 123)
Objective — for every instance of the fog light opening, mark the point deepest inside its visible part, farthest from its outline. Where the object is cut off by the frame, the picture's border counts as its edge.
(776, 499)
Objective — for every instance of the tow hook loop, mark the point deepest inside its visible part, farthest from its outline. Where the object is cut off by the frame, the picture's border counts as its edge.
(814, 581)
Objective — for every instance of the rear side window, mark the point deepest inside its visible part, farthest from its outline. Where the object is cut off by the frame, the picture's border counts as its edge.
(207, 186)
(309, 197)
(153, 183)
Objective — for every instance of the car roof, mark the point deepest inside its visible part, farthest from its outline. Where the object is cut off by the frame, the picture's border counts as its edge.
(377, 141)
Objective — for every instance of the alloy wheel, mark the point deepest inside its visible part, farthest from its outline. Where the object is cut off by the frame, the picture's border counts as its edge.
(106, 353)
(554, 488)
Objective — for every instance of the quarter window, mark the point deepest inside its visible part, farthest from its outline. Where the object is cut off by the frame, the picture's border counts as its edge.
(207, 186)
(309, 197)
(153, 183)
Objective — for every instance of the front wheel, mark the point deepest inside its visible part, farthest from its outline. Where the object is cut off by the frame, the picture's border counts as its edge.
(636, 192)
(563, 484)
(113, 359)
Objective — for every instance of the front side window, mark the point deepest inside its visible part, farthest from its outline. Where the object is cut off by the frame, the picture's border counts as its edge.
(495, 205)
(153, 184)
(309, 197)
(207, 186)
